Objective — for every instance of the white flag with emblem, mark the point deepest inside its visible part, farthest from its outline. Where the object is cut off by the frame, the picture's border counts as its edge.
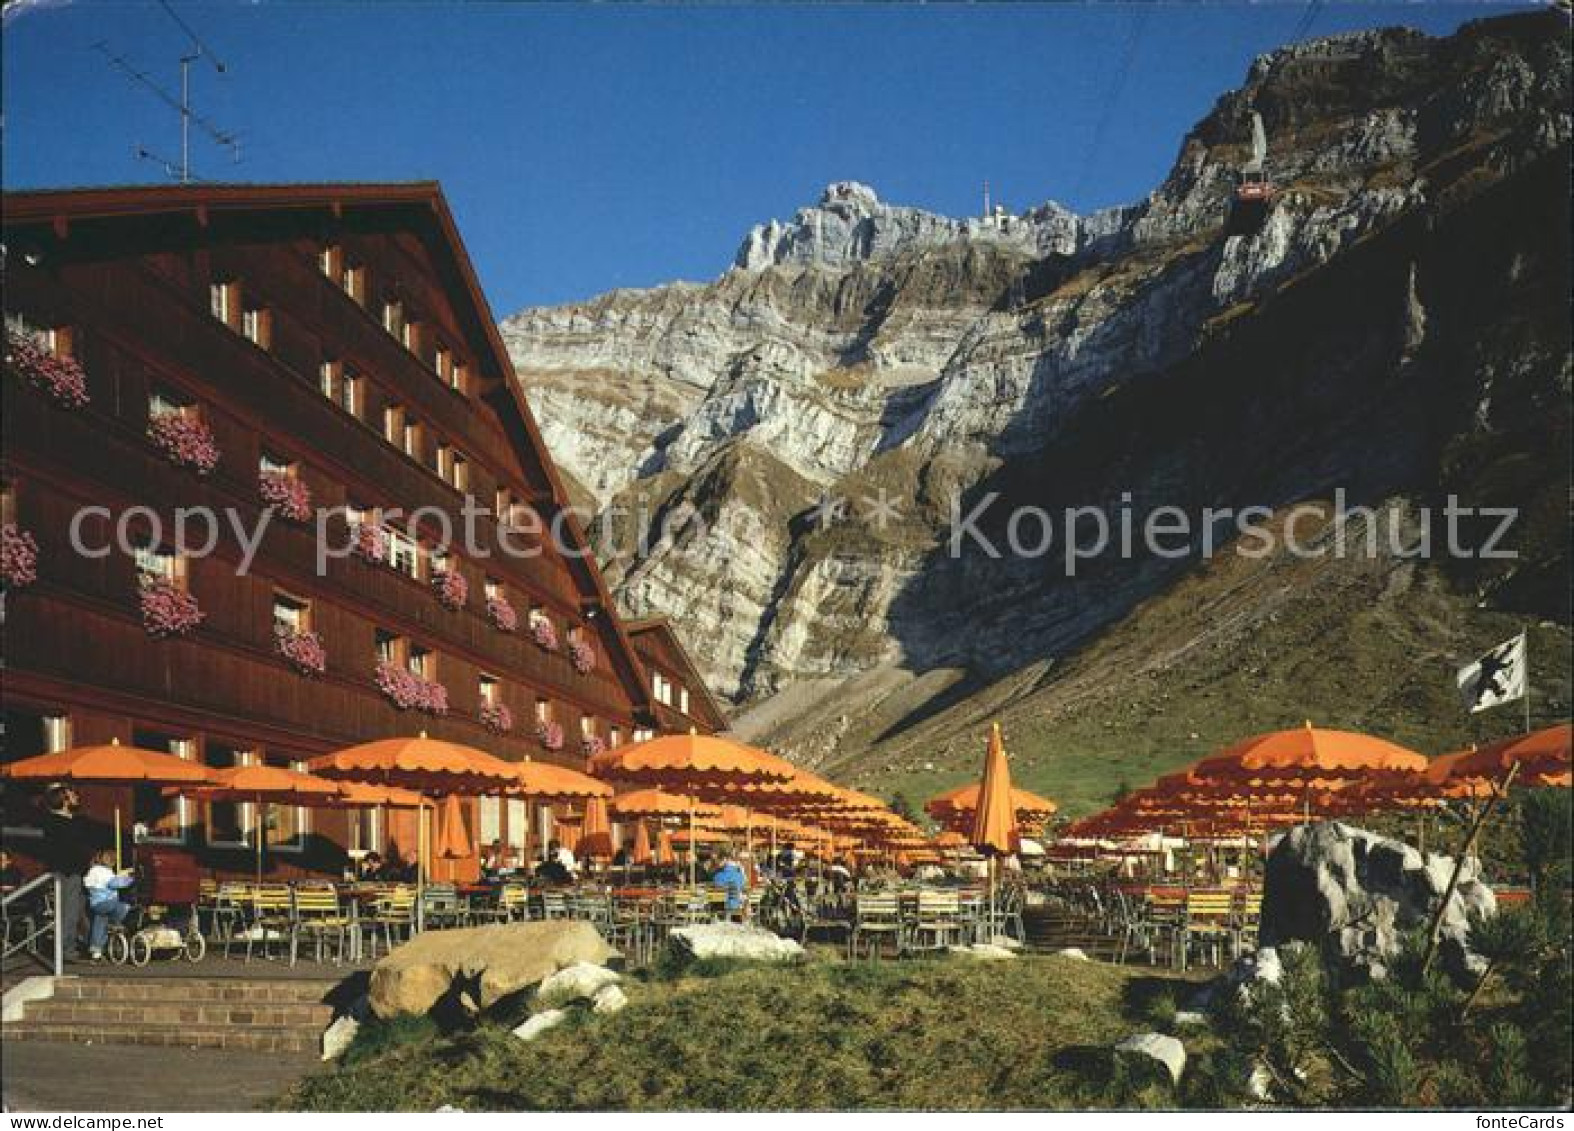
(1498, 677)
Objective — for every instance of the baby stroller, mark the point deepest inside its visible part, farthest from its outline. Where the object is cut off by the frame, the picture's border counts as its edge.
(164, 922)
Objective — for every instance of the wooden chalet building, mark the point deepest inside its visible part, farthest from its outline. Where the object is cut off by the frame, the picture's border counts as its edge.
(306, 347)
(679, 697)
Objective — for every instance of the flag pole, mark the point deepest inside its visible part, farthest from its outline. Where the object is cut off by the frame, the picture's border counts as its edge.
(1525, 632)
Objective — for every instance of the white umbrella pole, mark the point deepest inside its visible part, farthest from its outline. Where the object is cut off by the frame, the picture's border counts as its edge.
(693, 856)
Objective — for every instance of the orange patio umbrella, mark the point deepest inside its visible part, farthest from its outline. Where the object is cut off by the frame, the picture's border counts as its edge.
(1543, 758)
(109, 764)
(428, 766)
(660, 804)
(264, 785)
(694, 763)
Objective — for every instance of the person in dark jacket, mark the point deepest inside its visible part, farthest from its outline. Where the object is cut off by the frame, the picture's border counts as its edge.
(65, 849)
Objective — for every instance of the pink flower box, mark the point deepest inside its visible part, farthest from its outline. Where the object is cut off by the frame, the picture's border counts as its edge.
(451, 588)
(303, 650)
(496, 717)
(544, 633)
(369, 543)
(167, 610)
(18, 557)
(287, 493)
(184, 440)
(582, 656)
(408, 691)
(502, 614)
(593, 744)
(549, 735)
(61, 379)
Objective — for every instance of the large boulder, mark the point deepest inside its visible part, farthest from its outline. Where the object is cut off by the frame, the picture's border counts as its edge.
(1353, 893)
(734, 940)
(481, 964)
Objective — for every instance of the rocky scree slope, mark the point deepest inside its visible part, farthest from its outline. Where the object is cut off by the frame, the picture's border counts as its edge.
(1395, 326)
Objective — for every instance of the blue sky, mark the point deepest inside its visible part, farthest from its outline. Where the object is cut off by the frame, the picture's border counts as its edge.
(589, 147)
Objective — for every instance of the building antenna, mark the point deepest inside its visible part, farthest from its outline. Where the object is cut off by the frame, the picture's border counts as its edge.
(181, 104)
(986, 198)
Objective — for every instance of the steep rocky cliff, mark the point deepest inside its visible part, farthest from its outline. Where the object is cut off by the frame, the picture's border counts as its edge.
(781, 456)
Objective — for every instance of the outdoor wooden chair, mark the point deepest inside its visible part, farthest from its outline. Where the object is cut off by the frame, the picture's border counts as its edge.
(272, 911)
(512, 904)
(877, 917)
(1208, 924)
(392, 915)
(442, 906)
(1164, 924)
(937, 921)
(227, 909)
(554, 905)
(318, 916)
(1248, 913)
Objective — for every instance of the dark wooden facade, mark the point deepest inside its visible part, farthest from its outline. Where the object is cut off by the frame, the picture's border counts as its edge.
(127, 282)
(679, 697)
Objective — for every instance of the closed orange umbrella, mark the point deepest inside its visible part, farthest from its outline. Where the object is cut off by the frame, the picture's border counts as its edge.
(664, 854)
(994, 830)
(595, 832)
(641, 854)
(453, 837)
(955, 808)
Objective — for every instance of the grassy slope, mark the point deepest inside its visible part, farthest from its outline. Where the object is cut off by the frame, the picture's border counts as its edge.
(938, 1034)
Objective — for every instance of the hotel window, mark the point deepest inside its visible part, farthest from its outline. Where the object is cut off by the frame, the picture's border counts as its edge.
(490, 690)
(660, 688)
(546, 711)
(422, 662)
(8, 505)
(164, 819)
(58, 341)
(159, 564)
(459, 473)
(224, 302)
(442, 363)
(587, 726)
(683, 699)
(257, 326)
(404, 553)
(643, 734)
(410, 335)
(366, 830)
(290, 613)
(518, 822)
(229, 823)
(287, 825)
(354, 283)
(459, 377)
(391, 648)
(489, 821)
(614, 737)
(410, 438)
(330, 379)
(330, 261)
(493, 588)
(273, 464)
(393, 317)
(352, 395)
(536, 615)
(443, 457)
(393, 423)
(162, 400)
(57, 733)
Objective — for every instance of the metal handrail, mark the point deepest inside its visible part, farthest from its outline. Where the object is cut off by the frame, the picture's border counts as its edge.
(52, 925)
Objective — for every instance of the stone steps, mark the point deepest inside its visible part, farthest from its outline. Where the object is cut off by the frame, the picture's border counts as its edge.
(260, 1014)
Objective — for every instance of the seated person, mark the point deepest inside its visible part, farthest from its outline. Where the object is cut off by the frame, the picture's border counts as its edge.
(104, 905)
(552, 869)
(729, 876)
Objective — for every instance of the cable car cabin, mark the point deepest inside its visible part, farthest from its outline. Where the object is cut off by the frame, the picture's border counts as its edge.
(1249, 209)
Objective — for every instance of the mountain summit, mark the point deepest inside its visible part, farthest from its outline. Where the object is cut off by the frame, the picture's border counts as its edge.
(1393, 325)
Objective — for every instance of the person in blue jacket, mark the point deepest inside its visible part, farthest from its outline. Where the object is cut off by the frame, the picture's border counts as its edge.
(104, 904)
(731, 879)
